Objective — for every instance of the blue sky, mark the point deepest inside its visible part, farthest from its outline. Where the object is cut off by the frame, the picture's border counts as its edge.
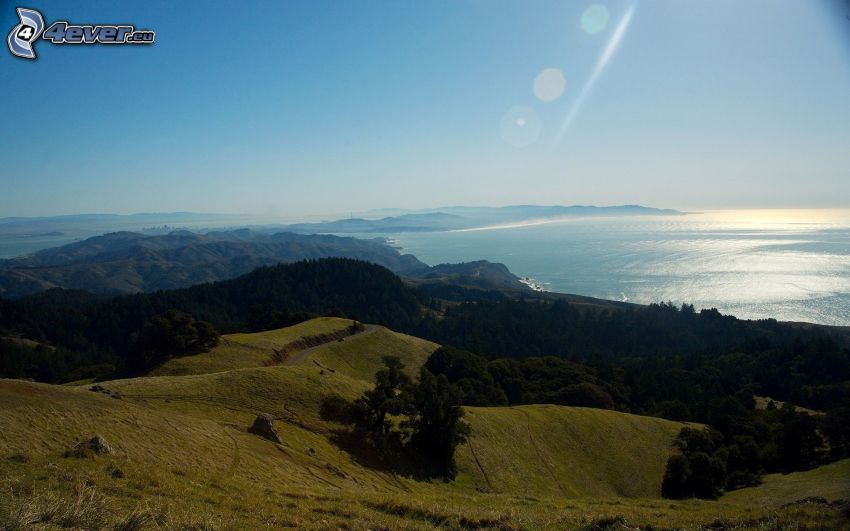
(301, 108)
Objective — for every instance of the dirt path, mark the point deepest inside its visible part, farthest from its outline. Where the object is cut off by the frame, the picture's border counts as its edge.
(481, 468)
(540, 457)
(299, 356)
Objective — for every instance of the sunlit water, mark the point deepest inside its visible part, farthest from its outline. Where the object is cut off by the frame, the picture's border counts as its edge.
(791, 265)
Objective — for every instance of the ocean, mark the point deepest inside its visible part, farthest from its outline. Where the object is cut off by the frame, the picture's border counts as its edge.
(792, 265)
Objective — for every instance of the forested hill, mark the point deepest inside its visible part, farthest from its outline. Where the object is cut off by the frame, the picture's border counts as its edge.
(130, 262)
(268, 297)
(100, 329)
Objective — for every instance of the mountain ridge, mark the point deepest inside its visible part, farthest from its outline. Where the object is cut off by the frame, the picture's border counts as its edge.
(131, 262)
(463, 217)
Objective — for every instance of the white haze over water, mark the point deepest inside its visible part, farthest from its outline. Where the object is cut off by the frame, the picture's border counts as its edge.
(793, 265)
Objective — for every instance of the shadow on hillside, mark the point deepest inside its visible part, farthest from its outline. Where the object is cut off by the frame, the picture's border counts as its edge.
(392, 458)
(389, 454)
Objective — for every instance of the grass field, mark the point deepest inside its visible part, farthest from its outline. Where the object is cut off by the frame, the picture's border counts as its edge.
(238, 351)
(831, 482)
(554, 451)
(183, 458)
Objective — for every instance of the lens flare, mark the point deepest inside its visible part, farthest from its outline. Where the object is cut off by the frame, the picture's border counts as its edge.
(595, 19)
(604, 59)
(549, 85)
(520, 126)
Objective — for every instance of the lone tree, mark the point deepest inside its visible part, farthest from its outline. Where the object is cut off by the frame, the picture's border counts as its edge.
(436, 420)
(433, 427)
(390, 396)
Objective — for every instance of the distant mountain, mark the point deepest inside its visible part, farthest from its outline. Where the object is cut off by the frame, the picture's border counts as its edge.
(464, 217)
(433, 221)
(130, 262)
(528, 212)
(24, 235)
(153, 256)
(100, 223)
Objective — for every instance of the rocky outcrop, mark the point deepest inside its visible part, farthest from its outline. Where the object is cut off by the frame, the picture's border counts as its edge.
(264, 427)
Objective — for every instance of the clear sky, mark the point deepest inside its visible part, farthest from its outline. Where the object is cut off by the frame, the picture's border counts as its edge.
(315, 107)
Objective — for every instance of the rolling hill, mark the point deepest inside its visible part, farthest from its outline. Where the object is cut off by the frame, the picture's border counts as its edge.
(130, 262)
(829, 482)
(182, 456)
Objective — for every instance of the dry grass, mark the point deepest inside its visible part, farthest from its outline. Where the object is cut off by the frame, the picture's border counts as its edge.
(545, 450)
(184, 502)
(830, 482)
(238, 351)
(359, 357)
(184, 460)
(83, 507)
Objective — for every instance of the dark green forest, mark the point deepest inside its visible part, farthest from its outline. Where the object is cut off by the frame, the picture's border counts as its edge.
(104, 331)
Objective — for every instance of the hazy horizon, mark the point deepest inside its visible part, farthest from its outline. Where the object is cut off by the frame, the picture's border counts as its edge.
(343, 107)
(247, 218)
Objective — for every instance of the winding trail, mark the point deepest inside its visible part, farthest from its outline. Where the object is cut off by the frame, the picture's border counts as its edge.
(299, 356)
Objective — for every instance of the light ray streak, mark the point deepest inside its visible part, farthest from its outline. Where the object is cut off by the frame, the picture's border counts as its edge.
(604, 59)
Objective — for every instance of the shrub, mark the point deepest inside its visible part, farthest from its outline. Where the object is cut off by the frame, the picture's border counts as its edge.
(698, 471)
(337, 409)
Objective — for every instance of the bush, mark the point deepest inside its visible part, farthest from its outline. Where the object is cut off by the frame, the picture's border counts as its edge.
(698, 471)
(337, 409)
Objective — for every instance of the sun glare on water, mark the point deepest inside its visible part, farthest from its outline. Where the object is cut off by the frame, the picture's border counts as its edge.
(797, 219)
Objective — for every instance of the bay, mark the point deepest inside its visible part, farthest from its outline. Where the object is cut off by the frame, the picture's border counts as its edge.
(792, 265)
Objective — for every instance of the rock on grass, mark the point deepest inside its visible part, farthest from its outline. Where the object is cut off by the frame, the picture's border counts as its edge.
(264, 427)
(97, 445)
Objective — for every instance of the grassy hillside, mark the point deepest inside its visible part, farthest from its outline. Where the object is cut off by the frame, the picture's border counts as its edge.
(547, 450)
(831, 482)
(183, 456)
(238, 351)
(360, 356)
